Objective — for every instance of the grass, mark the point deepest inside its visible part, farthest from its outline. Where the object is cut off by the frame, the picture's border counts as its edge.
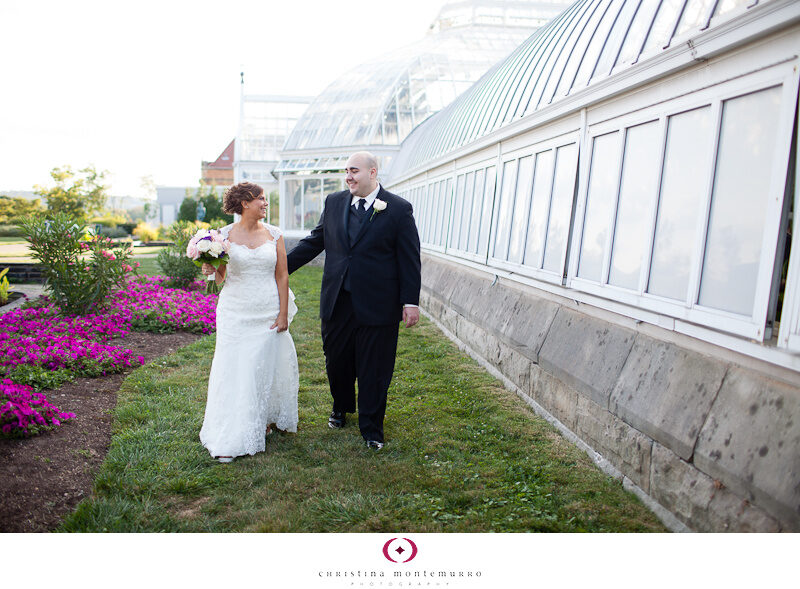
(148, 266)
(462, 455)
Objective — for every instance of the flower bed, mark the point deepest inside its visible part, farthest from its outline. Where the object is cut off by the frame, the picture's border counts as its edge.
(41, 349)
(24, 412)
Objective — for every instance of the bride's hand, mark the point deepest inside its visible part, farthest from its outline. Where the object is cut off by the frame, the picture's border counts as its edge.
(208, 269)
(282, 323)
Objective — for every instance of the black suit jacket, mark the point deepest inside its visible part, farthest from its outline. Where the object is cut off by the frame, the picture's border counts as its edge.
(383, 262)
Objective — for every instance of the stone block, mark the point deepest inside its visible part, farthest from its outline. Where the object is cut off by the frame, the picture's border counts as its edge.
(623, 446)
(667, 392)
(586, 353)
(554, 396)
(751, 442)
(514, 366)
(702, 503)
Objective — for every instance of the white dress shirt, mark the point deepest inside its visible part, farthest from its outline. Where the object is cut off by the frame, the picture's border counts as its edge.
(370, 198)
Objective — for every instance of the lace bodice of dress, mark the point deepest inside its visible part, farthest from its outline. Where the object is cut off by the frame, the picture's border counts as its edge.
(250, 276)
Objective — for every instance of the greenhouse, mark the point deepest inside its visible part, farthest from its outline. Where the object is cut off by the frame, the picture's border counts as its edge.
(606, 220)
(378, 103)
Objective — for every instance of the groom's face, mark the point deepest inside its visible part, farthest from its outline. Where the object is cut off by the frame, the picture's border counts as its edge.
(360, 177)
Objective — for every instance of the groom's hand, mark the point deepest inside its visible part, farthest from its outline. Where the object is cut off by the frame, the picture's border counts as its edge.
(410, 316)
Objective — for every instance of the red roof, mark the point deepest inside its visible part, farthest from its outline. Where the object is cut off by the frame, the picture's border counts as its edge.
(225, 159)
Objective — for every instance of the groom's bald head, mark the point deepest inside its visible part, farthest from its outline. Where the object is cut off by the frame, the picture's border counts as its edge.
(362, 173)
(366, 159)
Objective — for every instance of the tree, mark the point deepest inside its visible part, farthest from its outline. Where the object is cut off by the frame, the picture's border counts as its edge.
(78, 194)
(212, 203)
(14, 207)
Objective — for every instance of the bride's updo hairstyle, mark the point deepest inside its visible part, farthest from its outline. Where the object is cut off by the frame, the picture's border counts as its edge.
(238, 194)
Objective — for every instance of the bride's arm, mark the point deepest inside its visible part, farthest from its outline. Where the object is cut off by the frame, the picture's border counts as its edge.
(282, 279)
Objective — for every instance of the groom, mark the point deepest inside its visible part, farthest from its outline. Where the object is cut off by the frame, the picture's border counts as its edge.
(370, 282)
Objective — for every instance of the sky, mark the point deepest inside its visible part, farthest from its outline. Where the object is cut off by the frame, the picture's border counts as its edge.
(152, 88)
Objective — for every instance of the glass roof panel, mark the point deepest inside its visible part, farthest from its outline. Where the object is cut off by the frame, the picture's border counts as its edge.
(381, 101)
(588, 42)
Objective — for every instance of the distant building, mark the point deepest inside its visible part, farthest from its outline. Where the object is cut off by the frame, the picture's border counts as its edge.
(220, 171)
(265, 121)
(377, 104)
(169, 199)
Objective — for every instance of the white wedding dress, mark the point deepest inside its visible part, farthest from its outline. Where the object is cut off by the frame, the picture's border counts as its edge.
(254, 377)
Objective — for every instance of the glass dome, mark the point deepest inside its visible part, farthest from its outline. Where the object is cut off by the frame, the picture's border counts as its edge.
(379, 102)
(587, 43)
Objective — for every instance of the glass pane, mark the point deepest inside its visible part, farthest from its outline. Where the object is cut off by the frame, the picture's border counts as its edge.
(522, 201)
(444, 209)
(438, 237)
(503, 226)
(457, 221)
(430, 207)
(312, 196)
(469, 197)
(488, 202)
(637, 31)
(664, 24)
(600, 200)
(636, 193)
(475, 225)
(599, 38)
(585, 48)
(727, 5)
(694, 15)
(739, 201)
(540, 210)
(561, 208)
(294, 189)
(330, 185)
(683, 187)
(615, 38)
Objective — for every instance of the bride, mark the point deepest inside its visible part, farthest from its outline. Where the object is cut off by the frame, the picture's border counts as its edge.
(254, 379)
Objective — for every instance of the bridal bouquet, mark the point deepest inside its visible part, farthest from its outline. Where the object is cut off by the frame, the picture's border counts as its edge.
(208, 247)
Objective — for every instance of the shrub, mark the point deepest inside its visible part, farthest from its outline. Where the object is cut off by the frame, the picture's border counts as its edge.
(4, 286)
(144, 232)
(179, 269)
(24, 412)
(79, 274)
(113, 232)
(10, 231)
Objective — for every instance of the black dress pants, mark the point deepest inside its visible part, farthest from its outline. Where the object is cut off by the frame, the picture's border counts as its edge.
(359, 352)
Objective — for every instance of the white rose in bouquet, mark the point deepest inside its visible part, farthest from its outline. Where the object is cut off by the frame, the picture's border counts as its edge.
(203, 246)
(216, 249)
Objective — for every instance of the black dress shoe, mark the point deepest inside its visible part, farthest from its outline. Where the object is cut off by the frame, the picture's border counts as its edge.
(374, 445)
(336, 420)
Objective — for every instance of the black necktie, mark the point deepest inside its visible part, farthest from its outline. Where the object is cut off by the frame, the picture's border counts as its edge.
(359, 208)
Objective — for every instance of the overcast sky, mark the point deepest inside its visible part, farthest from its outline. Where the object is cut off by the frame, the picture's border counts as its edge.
(152, 87)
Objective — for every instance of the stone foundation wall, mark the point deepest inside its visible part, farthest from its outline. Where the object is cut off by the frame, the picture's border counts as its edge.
(713, 443)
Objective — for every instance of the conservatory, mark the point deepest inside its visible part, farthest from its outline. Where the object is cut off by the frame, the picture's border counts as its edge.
(607, 219)
(377, 104)
(638, 152)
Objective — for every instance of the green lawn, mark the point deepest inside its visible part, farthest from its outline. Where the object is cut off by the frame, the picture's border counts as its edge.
(462, 455)
(148, 266)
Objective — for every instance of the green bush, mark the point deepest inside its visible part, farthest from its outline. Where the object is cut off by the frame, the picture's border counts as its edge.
(80, 270)
(173, 260)
(10, 231)
(113, 232)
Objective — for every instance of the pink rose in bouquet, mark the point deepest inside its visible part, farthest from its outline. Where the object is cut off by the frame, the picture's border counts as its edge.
(208, 247)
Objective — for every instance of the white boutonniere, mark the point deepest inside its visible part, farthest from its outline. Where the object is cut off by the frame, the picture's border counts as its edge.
(378, 206)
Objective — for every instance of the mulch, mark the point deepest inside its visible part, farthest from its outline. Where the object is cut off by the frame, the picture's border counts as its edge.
(43, 478)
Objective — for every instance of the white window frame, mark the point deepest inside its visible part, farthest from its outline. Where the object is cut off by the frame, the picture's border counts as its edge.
(754, 325)
(552, 144)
